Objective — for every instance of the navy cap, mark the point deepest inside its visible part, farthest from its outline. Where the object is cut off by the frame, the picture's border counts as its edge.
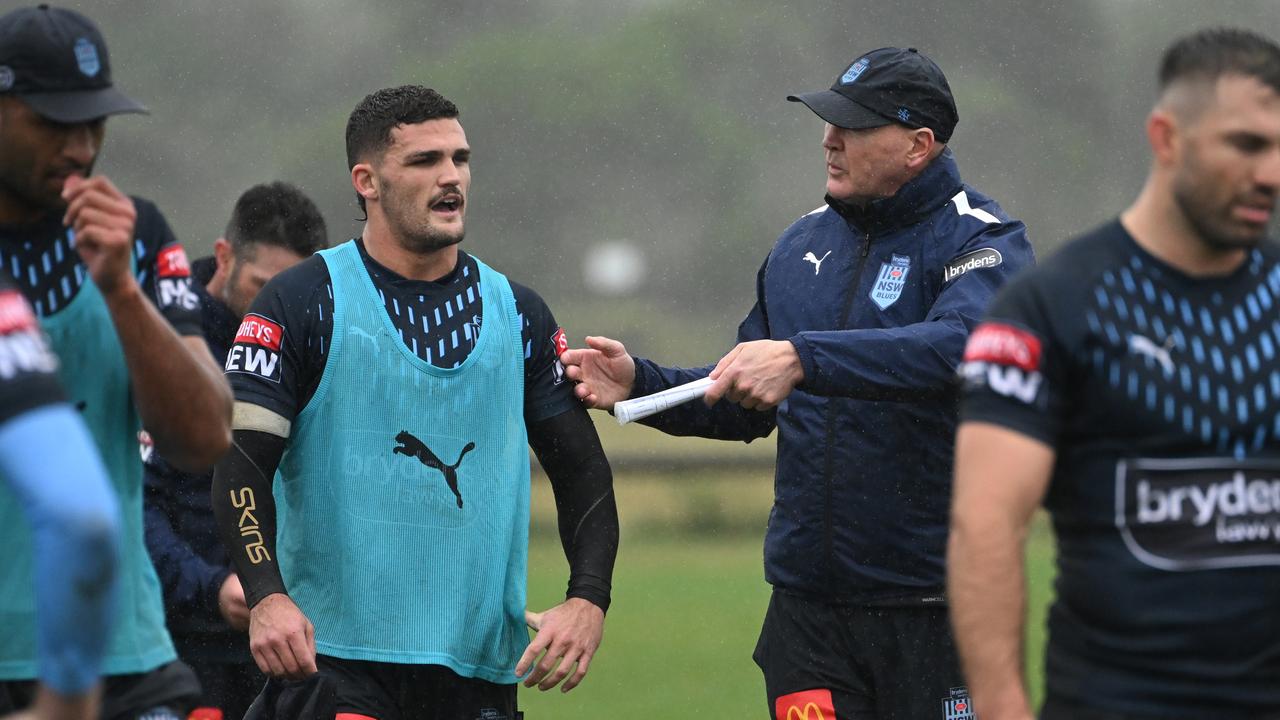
(889, 85)
(56, 61)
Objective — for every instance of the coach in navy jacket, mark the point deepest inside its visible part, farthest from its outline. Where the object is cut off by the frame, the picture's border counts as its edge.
(862, 312)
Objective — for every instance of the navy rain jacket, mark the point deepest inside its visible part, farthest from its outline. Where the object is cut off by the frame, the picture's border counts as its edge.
(878, 303)
(181, 534)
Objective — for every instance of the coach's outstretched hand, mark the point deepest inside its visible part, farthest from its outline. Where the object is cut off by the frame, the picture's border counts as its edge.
(604, 371)
(282, 639)
(569, 633)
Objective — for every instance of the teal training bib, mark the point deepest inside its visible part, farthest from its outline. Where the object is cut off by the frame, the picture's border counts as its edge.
(403, 495)
(97, 381)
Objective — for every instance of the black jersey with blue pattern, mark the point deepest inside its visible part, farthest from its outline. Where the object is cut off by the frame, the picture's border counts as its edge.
(439, 320)
(41, 257)
(1160, 394)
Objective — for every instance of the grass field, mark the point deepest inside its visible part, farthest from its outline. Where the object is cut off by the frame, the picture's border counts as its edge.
(689, 595)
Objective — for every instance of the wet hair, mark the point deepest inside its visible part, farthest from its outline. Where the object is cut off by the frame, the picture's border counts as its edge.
(1210, 54)
(371, 122)
(276, 214)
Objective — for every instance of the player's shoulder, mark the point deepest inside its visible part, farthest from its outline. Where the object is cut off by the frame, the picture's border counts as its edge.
(1066, 280)
(528, 301)
(151, 225)
(1075, 265)
(303, 280)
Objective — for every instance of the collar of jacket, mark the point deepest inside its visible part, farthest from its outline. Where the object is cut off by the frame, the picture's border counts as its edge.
(926, 192)
(217, 320)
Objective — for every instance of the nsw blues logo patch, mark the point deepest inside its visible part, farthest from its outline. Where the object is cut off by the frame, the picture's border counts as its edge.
(957, 706)
(855, 71)
(87, 57)
(890, 281)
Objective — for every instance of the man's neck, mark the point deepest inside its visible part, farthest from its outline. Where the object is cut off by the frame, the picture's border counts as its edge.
(390, 252)
(1159, 226)
(15, 210)
(217, 287)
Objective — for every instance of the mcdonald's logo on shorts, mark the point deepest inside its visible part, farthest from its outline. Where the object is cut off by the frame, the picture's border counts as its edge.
(805, 705)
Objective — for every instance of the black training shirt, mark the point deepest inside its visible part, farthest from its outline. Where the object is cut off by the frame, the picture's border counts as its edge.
(41, 257)
(438, 320)
(1160, 393)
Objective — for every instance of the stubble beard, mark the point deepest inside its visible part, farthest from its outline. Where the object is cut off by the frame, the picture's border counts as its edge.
(427, 239)
(416, 235)
(1209, 222)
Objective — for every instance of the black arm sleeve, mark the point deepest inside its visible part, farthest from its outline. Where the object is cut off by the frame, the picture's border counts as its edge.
(569, 449)
(245, 510)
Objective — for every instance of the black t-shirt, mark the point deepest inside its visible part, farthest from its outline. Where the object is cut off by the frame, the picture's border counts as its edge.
(41, 257)
(439, 320)
(28, 368)
(1160, 393)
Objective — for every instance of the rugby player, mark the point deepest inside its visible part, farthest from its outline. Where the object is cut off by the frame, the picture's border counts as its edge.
(111, 287)
(388, 390)
(1130, 384)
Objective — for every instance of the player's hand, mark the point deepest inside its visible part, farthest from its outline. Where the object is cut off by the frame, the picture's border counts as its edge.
(232, 605)
(604, 372)
(282, 639)
(757, 375)
(103, 219)
(569, 633)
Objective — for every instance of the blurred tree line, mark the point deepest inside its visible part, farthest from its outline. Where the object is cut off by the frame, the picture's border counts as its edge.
(662, 124)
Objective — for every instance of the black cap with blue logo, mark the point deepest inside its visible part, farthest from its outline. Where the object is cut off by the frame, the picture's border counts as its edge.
(889, 85)
(56, 61)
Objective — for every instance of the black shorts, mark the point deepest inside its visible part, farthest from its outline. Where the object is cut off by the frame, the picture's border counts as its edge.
(229, 687)
(165, 693)
(1056, 708)
(855, 662)
(392, 691)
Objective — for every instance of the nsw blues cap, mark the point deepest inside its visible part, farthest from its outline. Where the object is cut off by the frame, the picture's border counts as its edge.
(56, 61)
(889, 85)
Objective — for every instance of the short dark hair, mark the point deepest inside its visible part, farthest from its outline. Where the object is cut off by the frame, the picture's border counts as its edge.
(1210, 54)
(277, 214)
(371, 122)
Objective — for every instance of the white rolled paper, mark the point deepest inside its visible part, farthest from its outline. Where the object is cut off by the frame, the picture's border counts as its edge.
(642, 407)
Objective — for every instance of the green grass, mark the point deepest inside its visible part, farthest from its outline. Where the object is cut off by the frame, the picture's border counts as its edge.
(678, 638)
(688, 598)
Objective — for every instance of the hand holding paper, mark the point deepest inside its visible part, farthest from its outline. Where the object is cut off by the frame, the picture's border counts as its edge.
(642, 407)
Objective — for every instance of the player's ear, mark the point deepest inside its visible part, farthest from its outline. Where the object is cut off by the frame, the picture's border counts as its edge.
(364, 181)
(1163, 136)
(222, 254)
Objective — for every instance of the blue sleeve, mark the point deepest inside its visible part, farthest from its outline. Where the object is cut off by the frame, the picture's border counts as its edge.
(188, 581)
(723, 421)
(48, 457)
(917, 360)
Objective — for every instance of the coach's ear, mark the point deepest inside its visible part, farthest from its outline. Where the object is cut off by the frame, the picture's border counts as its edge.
(364, 181)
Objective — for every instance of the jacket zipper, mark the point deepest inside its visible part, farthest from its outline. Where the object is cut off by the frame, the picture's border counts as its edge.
(829, 472)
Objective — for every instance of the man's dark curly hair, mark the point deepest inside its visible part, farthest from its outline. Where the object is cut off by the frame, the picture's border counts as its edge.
(276, 214)
(369, 127)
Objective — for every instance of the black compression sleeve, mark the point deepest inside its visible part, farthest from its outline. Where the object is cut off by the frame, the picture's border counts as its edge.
(569, 449)
(245, 510)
